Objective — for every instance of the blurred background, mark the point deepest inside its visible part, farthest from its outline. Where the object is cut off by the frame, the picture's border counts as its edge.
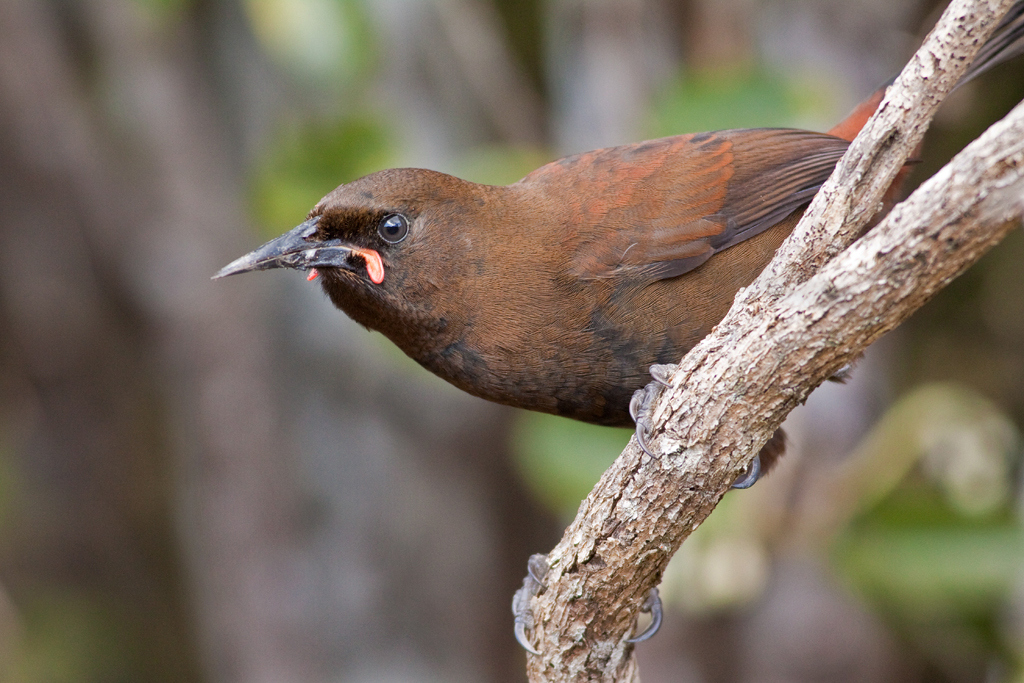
(231, 482)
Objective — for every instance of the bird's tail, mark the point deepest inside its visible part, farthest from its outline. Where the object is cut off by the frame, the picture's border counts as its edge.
(1006, 43)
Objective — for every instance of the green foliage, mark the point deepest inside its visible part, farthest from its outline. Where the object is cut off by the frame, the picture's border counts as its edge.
(941, 581)
(922, 572)
(562, 459)
(324, 43)
(739, 99)
(938, 552)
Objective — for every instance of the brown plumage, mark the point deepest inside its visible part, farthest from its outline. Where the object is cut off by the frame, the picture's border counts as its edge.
(558, 292)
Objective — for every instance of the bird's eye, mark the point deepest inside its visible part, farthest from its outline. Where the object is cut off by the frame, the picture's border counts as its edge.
(393, 228)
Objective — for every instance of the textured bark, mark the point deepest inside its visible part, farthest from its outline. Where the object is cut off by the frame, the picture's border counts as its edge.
(816, 308)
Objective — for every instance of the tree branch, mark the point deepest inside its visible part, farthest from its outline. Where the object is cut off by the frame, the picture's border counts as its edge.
(816, 307)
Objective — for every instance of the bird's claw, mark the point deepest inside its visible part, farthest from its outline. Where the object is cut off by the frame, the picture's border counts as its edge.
(750, 475)
(640, 403)
(638, 406)
(662, 373)
(520, 631)
(537, 568)
(637, 403)
(533, 583)
(652, 605)
(641, 438)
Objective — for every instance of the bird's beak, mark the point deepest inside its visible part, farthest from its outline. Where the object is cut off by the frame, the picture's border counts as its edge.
(293, 250)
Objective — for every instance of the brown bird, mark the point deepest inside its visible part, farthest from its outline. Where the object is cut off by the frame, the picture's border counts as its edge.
(557, 293)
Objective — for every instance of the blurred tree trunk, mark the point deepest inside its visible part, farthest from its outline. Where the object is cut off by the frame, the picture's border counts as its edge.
(150, 391)
(605, 58)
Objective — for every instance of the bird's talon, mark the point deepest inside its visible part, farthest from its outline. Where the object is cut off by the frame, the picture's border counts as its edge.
(520, 631)
(636, 403)
(536, 569)
(750, 475)
(662, 373)
(641, 438)
(638, 406)
(652, 605)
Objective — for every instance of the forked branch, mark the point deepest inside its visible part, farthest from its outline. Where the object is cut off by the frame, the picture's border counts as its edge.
(817, 306)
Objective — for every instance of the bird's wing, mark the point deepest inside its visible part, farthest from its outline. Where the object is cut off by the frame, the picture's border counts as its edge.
(661, 208)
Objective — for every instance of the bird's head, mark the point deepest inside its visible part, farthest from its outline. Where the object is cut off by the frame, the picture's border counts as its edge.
(382, 245)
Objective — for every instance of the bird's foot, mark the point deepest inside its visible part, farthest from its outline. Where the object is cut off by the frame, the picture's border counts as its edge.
(764, 462)
(652, 606)
(639, 410)
(749, 476)
(533, 584)
(537, 569)
(640, 404)
(662, 373)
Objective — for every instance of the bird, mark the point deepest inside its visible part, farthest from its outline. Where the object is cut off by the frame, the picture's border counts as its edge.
(566, 291)
(559, 292)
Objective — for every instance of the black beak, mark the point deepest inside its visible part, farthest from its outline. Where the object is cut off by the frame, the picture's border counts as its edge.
(292, 250)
